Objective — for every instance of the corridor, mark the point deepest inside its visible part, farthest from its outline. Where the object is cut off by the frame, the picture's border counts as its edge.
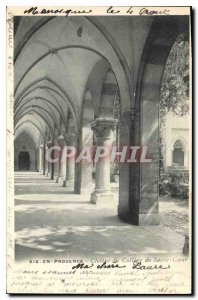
(52, 221)
(83, 98)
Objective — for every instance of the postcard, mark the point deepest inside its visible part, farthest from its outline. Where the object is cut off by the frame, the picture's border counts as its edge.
(99, 150)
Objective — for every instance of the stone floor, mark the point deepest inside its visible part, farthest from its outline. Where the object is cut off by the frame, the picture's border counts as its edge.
(51, 221)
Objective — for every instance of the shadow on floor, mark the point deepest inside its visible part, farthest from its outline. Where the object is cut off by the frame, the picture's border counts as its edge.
(51, 221)
(27, 202)
(83, 241)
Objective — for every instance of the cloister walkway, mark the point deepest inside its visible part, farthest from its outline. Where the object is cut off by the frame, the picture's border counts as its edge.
(52, 221)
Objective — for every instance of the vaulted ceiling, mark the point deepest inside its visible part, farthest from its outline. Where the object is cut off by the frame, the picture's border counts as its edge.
(56, 61)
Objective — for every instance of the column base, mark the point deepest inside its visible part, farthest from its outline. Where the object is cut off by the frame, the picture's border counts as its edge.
(87, 188)
(56, 178)
(149, 219)
(102, 198)
(86, 191)
(138, 219)
(112, 178)
(61, 180)
(68, 183)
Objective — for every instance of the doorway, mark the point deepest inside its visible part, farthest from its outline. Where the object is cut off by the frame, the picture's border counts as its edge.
(24, 160)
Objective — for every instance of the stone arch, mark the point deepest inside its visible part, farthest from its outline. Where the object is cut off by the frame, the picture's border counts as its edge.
(119, 62)
(42, 116)
(46, 101)
(52, 120)
(184, 146)
(97, 24)
(53, 51)
(181, 139)
(178, 154)
(36, 122)
(29, 131)
(33, 124)
(35, 107)
(33, 131)
(54, 86)
(139, 193)
(22, 94)
(29, 34)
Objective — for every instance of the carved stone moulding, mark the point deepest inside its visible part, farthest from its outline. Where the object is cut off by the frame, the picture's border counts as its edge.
(128, 116)
(42, 147)
(102, 127)
(61, 140)
(49, 144)
(70, 138)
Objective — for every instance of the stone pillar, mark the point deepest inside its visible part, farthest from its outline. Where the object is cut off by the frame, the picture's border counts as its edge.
(186, 164)
(62, 161)
(48, 169)
(37, 159)
(41, 160)
(46, 163)
(86, 167)
(103, 129)
(70, 177)
(56, 166)
(141, 204)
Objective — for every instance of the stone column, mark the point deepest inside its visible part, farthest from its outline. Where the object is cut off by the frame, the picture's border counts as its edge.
(186, 164)
(41, 160)
(37, 159)
(70, 178)
(62, 160)
(103, 129)
(56, 166)
(139, 202)
(48, 164)
(86, 167)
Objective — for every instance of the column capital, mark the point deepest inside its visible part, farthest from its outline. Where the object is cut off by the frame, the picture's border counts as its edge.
(42, 147)
(70, 138)
(61, 140)
(49, 144)
(128, 115)
(102, 127)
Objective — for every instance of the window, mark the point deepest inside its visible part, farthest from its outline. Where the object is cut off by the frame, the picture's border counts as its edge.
(178, 154)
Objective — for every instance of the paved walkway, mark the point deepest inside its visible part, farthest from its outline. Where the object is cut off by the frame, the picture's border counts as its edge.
(51, 221)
